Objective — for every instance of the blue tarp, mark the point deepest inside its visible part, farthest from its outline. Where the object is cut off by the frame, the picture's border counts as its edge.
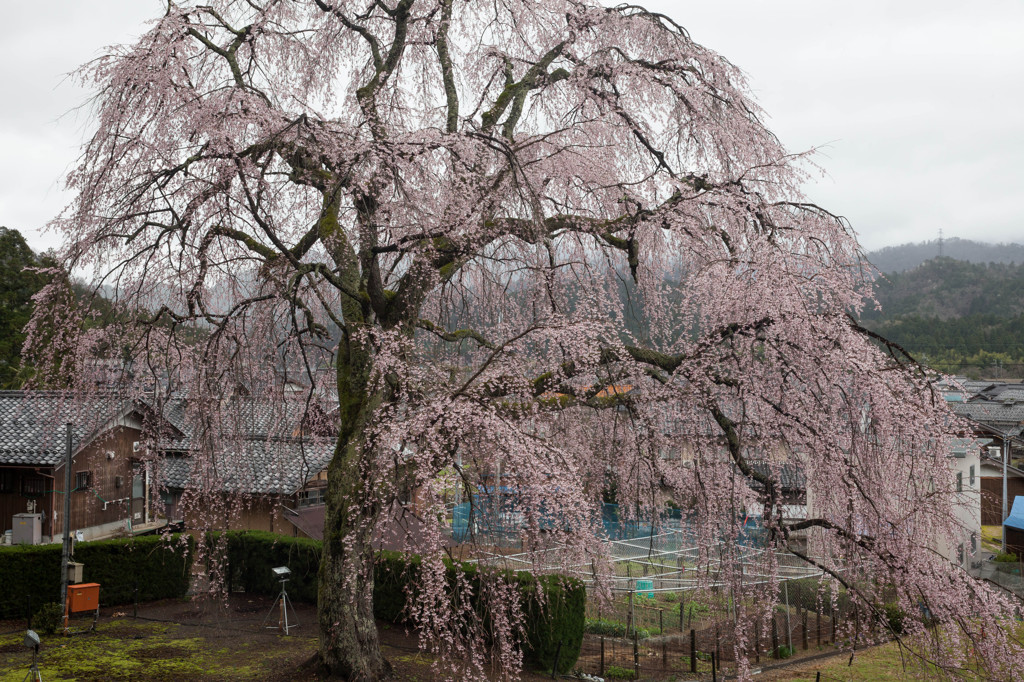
(1016, 517)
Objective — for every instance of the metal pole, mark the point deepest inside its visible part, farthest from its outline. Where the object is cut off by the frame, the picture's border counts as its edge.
(1006, 459)
(66, 551)
(789, 628)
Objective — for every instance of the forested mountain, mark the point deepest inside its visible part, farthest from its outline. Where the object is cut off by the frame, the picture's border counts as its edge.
(908, 256)
(17, 286)
(948, 288)
(956, 316)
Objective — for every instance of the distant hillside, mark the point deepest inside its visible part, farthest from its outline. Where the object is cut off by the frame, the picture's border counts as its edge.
(907, 256)
(960, 317)
(946, 288)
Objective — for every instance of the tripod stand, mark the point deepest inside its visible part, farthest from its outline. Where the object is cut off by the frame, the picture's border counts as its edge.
(283, 603)
(33, 672)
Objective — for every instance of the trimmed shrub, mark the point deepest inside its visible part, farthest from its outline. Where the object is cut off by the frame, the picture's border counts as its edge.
(252, 554)
(392, 573)
(158, 568)
(554, 627)
(1005, 557)
(557, 618)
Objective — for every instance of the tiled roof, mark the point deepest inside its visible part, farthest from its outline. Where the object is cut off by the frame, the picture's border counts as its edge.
(248, 418)
(32, 424)
(790, 476)
(990, 412)
(255, 466)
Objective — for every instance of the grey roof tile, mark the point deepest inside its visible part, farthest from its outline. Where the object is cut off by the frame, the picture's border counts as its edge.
(255, 466)
(32, 423)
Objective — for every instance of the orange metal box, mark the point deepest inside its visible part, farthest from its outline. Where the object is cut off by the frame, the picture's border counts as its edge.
(83, 597)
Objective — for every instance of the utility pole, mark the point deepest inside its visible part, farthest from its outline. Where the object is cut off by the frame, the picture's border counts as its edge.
(1006, 460)
(66, 552)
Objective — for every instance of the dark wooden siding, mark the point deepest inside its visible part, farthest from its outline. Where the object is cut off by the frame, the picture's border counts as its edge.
(13, 501)
(87, 505)
(992, 498)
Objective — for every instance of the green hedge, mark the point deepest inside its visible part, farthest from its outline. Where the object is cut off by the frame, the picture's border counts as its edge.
(251, 555)
(157, 568)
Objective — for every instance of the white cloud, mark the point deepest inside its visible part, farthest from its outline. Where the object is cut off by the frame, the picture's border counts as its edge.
(917, 103)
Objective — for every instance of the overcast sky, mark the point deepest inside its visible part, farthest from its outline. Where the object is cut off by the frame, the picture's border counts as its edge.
(916, 105)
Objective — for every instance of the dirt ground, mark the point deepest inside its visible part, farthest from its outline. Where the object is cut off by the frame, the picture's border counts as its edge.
(197, 640)
(207, 640)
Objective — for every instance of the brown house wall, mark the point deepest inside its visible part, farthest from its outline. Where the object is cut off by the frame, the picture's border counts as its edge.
(1015, 541)
(13, 502)
(992, 498)
(87, 504)
(253, 514)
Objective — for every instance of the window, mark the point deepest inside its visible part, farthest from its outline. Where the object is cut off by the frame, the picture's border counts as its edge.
(974, 543)
(960, 553)
(311, 497)
(33, 486)
(6, 481)
(83, 479)
(972, 476)
(959, 481)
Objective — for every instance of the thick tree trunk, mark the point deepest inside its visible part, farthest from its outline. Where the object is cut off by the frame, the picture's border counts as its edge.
(349, 647)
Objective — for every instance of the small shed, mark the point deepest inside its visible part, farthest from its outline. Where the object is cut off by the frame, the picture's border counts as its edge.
(1013, 528)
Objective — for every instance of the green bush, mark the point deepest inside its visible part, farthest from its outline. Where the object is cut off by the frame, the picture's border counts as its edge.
(614, 672)
(895, 618)
(158, 568)
(614, 628)
(557, 617)
(783, 652)
(1005, 557)
(48, 618)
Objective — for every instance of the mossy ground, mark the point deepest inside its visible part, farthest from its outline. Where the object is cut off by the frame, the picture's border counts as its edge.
(126, 649)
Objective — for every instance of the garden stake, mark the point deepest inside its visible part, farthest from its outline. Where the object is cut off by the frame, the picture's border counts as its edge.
(693, 651)
(601, 673)
(718, 649)
(636, 656)
(554, 667)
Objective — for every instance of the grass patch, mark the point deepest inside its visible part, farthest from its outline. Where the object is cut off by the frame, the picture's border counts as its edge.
(131, 650)
(876, 664)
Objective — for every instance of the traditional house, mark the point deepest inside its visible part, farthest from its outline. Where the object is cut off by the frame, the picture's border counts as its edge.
(270, 458)
(113, 487)
(996, 412)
